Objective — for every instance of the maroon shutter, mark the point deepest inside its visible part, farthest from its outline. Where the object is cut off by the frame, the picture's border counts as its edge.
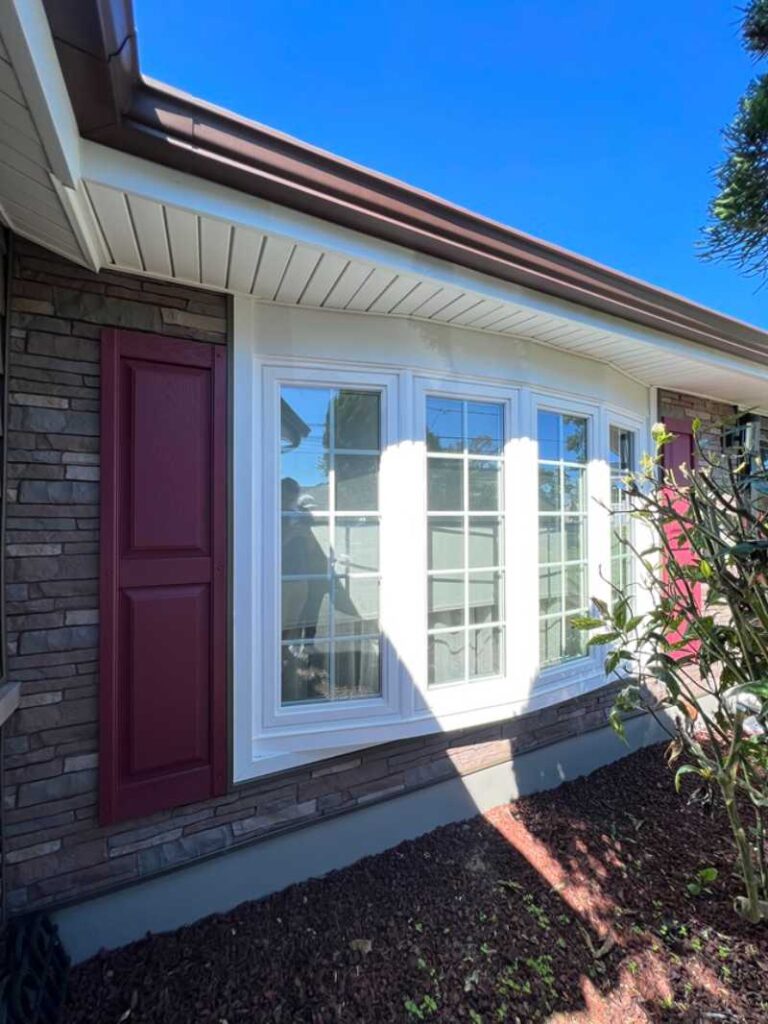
(678, 452)
(163, 573)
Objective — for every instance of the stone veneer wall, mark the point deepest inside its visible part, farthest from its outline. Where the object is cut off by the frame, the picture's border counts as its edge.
(56, 851)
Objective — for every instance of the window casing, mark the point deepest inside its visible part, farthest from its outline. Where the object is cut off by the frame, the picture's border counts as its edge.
(399, 691)
(621, 461)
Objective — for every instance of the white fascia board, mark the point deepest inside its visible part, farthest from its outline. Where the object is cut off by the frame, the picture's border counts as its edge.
(176, 188)
(25, 28)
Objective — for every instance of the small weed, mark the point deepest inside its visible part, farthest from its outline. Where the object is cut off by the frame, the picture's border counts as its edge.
(475, 1017)
(633, 967)
(537, 913)
(422, 1010)
(702, 881)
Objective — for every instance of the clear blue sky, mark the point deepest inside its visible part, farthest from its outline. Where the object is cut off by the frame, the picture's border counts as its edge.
(595, 125)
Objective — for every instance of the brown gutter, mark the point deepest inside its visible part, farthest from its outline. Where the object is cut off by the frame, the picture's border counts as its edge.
(117, 107)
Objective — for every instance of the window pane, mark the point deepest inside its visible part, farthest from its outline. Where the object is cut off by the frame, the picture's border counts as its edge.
(575, 641)
(550, 633)
(549, 488)
(304, 480)
(305, 672)
(445, 432)
(357, 420)
(575, 588)
(484, 597)
(357, 482)
(306, 608)
(305, 545)
(356, 606)
(574, 439)
(573, 489)
(446, 543)
(548, 432)
(305, 419)
(484, 428)
(356, 667)
(357, 545)
(484, 542)
(484, 653)
(446, 657)
(550, 591)
(550, 547)
(484, 485)
(445, 485)
(446, 601)
(575, 546)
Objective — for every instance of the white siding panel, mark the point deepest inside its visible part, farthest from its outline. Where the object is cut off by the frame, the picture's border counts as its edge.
(477, 313)
(30, 169)
(438, 302)
(3, 50)
(395, 292)
(371, 290)
(416, 298)
(274, 261)
(215, 240)
(18, 118)
(30, 192)
(184, 242)
(9, 83)
(298, 274)
(325, 275)
(246, 249)
(112, 212)
(151, 235)
(348, 285)
(463, 304)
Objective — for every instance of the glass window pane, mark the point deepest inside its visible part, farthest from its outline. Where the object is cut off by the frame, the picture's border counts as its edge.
(484, 597)
(548, 433)
(549, 488)
(305, 672)
(575, 588)
(357, 669)
(484, 488)
(305, 419)
(357, 545)
(304, 480)
(484, 542)
(573, 490)
(550, 591)
(550, 635)
(357, 420)
(575, 545)
(305, 608)
(485, 429)
(485, 656)
(357, 482)
(356, 605)
(574, 439)
(445, 430)
(575, 641)
(550, 546)
(446, 543)
(305, 545)
(446, 601)
(445, 485)
(446, 657)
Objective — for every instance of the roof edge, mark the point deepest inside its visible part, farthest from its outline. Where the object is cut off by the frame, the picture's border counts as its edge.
(117, 107)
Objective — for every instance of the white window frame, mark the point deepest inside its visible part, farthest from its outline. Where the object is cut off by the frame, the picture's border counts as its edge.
(467, 695)
(268, 737)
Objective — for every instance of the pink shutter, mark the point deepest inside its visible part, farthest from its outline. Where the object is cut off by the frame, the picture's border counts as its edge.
(163, 573)
(679, 452)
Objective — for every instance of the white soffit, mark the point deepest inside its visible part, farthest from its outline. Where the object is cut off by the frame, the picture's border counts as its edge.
(39, 142)
(155, 221)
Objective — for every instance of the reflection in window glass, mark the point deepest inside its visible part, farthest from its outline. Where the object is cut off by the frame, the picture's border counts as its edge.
(330, 447)
(465, 446)
(622, 460)
(563, 450)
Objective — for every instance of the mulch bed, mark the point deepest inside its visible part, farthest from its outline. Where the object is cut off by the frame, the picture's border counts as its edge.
(568, 906)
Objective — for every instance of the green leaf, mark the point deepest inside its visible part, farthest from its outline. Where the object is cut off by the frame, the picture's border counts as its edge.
(602, 639)
(586, 622)
(707, 875)
(686, 769)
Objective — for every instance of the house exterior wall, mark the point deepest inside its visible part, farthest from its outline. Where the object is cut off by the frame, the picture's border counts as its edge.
(56, 851)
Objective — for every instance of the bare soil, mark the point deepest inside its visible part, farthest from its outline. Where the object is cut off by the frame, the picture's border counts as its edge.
(568, 906)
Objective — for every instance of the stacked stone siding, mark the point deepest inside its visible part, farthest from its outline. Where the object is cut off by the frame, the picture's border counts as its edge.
(56, 850)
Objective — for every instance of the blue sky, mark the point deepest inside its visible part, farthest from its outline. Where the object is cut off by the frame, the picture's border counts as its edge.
(594, 125)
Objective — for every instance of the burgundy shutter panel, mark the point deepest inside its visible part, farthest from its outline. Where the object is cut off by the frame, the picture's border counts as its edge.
(163, 573)
(681, 451)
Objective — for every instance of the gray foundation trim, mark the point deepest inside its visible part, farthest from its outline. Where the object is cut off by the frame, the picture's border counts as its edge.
(221, 883)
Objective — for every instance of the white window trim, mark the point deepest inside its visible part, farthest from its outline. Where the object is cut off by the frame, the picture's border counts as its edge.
(263, 744)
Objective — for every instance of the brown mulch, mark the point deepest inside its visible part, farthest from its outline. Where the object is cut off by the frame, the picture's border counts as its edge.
(568, 906)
